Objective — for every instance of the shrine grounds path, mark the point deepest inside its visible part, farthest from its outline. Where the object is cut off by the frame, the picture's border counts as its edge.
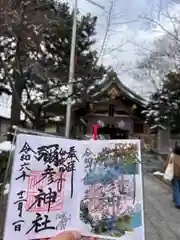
(162, 219)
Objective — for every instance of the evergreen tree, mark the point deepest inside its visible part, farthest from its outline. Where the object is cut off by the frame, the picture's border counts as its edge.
(163, 107)
(23, 29)
(35, 41)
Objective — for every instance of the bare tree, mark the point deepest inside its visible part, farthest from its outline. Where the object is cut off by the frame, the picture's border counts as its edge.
(164, 55)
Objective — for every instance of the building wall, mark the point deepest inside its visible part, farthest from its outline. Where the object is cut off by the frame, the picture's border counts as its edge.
(55, 128)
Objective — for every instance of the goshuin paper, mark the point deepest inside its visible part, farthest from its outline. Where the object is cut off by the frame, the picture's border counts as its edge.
(112, 203)
(59, 184)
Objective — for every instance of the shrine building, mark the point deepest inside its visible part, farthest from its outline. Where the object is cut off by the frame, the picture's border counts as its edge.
(115, 108)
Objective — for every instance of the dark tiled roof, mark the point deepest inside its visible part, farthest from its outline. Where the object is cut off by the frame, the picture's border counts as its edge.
(125, 90)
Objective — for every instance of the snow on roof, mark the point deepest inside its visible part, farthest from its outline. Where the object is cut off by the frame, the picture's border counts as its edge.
(5, 88)
(133, 96)
(56, 118)
(5, 106)
(6, 146)
(158, 126)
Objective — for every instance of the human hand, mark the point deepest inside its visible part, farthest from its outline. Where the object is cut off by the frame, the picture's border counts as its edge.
(67, 235)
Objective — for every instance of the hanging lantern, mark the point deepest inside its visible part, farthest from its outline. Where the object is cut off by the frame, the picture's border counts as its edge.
(134, 107)
(121, 124)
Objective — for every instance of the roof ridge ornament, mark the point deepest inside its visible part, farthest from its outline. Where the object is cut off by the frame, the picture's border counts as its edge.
(113, 79)
(113, 92)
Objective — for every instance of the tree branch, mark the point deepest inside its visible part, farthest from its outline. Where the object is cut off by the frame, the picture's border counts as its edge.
(161, 26)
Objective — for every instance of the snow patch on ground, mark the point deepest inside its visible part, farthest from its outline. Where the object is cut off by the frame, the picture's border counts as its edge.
(6, 146)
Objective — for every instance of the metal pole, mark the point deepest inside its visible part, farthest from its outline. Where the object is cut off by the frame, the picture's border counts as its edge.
(71, 71)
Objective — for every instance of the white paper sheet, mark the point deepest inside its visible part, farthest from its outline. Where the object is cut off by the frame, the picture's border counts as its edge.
(63, 213)
(113, 190)
(114, 198)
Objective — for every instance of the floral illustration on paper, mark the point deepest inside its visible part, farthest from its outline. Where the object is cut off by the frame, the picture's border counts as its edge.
(109, 206)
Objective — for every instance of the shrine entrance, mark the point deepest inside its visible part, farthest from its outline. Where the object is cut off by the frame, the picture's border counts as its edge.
(113, 132)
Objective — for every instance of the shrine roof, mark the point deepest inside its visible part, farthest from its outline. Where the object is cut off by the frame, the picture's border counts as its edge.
(100, 93)
(125, 91)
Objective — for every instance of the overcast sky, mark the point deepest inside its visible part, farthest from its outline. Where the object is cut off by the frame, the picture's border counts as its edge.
(128, 25)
